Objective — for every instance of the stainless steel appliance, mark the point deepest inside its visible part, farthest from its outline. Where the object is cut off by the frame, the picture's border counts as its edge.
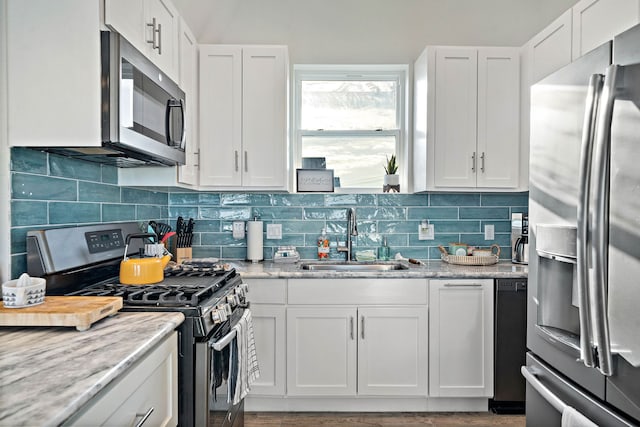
(85, 261)
(584, 264)
(510, 331)
(143, 111)
(520, 238)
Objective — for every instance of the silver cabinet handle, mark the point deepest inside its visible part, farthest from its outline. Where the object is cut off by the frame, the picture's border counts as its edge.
(463, 285)
(362, 327)
(197, 155)
(144, 417)
(586, 155)
(236, 156)
(159, 31)
(482, 164)
(600, 235)
(473, 162)
(351, 322)
(246, 161)
(153, 33)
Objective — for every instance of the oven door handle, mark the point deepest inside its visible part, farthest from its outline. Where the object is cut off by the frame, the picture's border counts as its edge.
(224, 341)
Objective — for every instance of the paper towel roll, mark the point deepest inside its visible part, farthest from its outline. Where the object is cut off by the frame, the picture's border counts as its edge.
(254, 241)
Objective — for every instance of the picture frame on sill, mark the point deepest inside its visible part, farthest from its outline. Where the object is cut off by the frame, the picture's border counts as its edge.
(314, 180)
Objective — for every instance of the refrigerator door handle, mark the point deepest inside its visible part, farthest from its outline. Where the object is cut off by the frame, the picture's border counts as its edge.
(600, 229)
(531, 378)
(586, 155)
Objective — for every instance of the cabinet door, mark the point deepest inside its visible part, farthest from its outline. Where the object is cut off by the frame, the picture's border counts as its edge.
(321, 351)
(392, 351)
(264, 117)
(220, 115)
(166, 54)
(461, 338)
(455, 117)
(550, 49)
(269, 326)
(498, 117)
(598, 21)
(188, 174)
(127, 18)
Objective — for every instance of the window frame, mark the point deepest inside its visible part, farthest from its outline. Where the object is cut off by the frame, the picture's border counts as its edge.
(392, 72)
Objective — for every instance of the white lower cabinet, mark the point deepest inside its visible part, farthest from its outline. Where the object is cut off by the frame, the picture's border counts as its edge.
(376, 349)
(149, 387)
(461, 338)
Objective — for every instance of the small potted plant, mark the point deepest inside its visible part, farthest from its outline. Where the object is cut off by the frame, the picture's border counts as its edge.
(391, 179)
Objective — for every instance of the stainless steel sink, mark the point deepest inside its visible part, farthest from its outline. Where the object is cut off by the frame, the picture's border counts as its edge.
(353, 266)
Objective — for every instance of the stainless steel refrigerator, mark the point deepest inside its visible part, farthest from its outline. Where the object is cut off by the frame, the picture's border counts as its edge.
(583, 321)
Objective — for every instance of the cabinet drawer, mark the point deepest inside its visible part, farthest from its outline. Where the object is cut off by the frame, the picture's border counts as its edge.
(150, 384)
(267, 291)
(357, 291)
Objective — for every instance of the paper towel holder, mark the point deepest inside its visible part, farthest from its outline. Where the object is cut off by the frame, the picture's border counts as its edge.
(255, 240)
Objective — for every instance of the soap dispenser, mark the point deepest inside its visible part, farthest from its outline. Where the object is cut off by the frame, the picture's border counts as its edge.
(383, 251)
(323, 245)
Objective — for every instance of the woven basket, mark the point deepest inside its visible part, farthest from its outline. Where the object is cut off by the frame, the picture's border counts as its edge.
(468, 260)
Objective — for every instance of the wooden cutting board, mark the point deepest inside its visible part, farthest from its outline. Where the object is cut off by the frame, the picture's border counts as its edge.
(80, 312)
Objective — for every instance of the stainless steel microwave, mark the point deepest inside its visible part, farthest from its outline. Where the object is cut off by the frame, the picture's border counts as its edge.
(143, 110)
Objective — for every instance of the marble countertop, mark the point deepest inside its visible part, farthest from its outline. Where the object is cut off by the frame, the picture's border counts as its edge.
(48, 373)
(431, 269)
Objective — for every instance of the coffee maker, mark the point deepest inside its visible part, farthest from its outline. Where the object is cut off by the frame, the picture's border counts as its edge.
(520, 238)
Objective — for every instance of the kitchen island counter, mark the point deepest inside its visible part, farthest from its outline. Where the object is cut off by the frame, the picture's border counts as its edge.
(433, 269)
(47, 374)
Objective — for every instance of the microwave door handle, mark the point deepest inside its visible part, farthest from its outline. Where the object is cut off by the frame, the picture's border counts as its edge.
(171, 104)
(167, 122)
(600, 237)
(586, 155)
(183, 131)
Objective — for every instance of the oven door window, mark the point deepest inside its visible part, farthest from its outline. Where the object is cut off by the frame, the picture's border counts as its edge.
(147, 109)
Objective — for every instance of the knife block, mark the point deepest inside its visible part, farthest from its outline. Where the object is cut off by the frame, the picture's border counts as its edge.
(182, 254)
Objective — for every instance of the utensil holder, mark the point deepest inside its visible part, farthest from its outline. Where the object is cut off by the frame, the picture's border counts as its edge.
(23, 296)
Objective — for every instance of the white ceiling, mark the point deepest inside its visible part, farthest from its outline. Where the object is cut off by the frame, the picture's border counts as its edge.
(367, 31)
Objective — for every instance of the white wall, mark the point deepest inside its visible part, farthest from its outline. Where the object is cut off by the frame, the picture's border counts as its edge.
(5, 211)
(368, 31)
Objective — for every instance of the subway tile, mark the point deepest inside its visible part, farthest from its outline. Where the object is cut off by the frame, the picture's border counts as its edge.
(325, 213)
(390, 227)
(456, 226)
(207, 225)
(454, 199)
(402, 200)
(28, 160)
(113, 212)
(221, 239)
(253, 199)
(350, 200)
(385, 213)
(148, 212)
(19, 239)
(109, 174)
(432, 213)
(73, 213)
(209, 199)
(239, 253)
(28, 213)
(477, 239)
(144, 197)
(296, 227)
(205, 252)
(484, 213)
(68, 167)
(183, 199)
(287, 240)
(189, 212)
(18, 265)
(269, 213)
(505, 199)
(40, 187)
(499, 226)
(94, 192)
(440, 239)
(306, 200)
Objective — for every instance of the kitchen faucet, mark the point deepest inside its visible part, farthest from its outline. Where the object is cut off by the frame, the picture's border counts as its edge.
(352, 230)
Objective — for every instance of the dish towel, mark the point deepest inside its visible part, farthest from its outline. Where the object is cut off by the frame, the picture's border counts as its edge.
(572, 418)
(247, 370)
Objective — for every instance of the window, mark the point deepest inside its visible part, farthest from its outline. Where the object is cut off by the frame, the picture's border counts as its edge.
(353, 117)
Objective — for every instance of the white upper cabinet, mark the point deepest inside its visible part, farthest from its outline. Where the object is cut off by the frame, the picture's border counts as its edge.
(467, 125)
(151, 26)
(53, 72)
(243, 117)
(550, 49)
(188, 174)
(597, 21)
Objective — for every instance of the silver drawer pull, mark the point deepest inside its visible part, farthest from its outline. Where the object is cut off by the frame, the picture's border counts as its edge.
(144, 417)
(463, 285)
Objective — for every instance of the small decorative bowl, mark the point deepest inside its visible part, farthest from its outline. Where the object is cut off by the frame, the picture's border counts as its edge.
(23, 296)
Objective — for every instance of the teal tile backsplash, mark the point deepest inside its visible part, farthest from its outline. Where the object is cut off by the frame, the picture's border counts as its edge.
(49, 191)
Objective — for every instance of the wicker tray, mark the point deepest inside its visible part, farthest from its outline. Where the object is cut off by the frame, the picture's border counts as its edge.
(468, 260)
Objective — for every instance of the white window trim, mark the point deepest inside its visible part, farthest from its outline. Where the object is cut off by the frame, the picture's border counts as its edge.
(368, 72)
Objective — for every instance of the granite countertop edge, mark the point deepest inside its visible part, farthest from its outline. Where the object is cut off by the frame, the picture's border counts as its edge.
(65, 368)
(430, 269)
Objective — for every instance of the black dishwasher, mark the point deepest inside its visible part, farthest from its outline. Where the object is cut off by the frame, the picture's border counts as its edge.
(510, 333)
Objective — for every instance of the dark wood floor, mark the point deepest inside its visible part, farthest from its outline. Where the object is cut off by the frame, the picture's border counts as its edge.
(402, 419)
